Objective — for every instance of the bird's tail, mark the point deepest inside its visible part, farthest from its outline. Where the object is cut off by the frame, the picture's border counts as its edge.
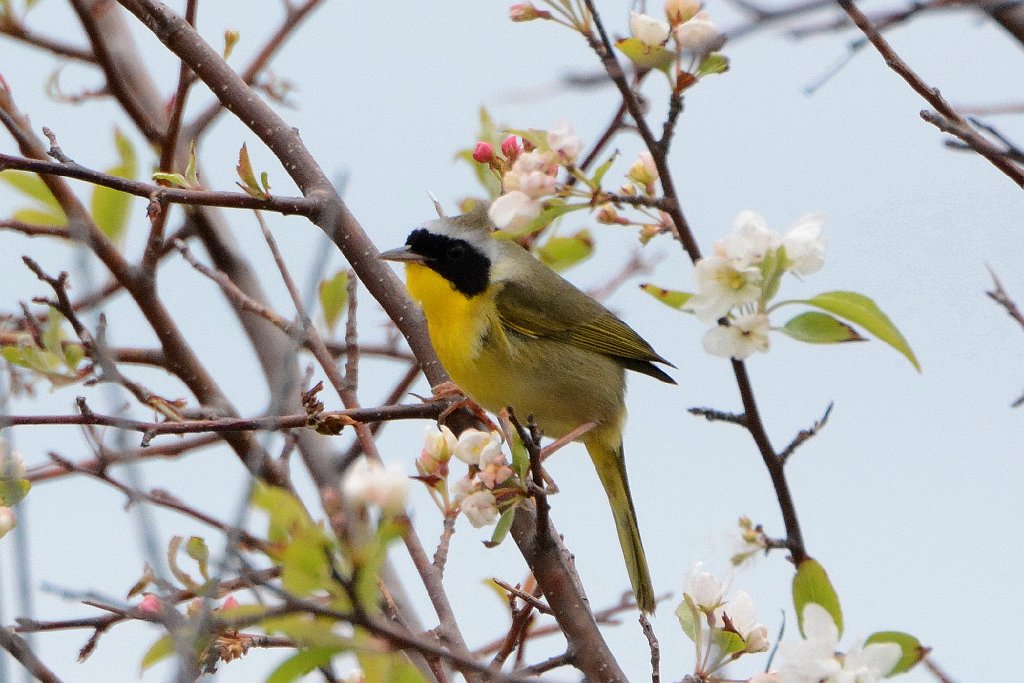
(611, 468)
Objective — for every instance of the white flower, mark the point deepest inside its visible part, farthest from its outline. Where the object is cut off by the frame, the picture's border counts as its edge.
(813, 659)
(744, 335)
(370, 483)
(870, 663)
(480, 508)
(679, 11)
(8, 520)
(805, 245)
(698, 35)
(721, 286)
(514, 210)
(648, 30)
(765, 677)
(478, 448)
(564, 142)
(704, 588)
(355, 676)
(11, 464)
(749, 242)
(743, 616)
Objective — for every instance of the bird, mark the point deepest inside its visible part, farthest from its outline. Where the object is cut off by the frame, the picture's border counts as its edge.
(511, 332)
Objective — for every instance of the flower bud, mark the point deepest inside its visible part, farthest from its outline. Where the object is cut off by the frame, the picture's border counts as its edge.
(230, 603)
(699, 35)
(608, 215)
(525, 11)
(511, 148)
(564, 142)
(483, 153)
(648, 30)
(150, 604)
(679, 11)
(643, 171)
(8, 520)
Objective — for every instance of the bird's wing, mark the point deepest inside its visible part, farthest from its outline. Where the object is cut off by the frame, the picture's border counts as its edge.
(555, 309)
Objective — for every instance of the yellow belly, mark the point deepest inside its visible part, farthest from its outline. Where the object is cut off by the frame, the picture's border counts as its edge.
(562, 386)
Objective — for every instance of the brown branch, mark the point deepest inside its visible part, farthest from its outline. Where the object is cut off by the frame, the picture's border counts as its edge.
(109, 458)
(416, 411)
(159, 193)
(15, 29)
(947, 118)
(20, 650)
(652, 642)
(774, 464)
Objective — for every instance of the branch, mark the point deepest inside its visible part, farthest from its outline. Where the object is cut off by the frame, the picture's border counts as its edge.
(158, 193)
(947, 118)
(20, 650)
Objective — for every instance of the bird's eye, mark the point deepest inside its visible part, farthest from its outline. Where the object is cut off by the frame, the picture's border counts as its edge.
(456, 252)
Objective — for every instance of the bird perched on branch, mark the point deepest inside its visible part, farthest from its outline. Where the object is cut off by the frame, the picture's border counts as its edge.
(512, 332)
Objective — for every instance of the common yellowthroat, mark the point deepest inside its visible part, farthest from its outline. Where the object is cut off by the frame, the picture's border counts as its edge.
(512, 332)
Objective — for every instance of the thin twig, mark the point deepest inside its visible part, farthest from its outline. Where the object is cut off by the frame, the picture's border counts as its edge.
(652, 641)
(805, 434)
(945, 117)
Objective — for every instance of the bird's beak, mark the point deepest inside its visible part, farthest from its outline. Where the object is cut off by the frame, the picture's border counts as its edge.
(404, 254)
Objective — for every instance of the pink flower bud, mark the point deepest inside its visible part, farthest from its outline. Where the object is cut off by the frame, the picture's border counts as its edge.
(150, 604)
(525, 11)
(510, 148)
(483, 152)
(229, 602)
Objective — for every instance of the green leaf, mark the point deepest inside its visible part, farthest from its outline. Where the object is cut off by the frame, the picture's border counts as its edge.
(31, 185)
(13, 491)
(820, 328)
(245, 171)
(307, 631)
(729, 642)
(334, 297)
(669, 297)
(502, 528)
(40, 217)
(53, 335)
(714, 63)
(302, 662)
(520, 456)
(860, 310)
(172, 179)
(646, 56)
(811, 584)
(110, 208)
(197, 550)
(48, 212)
(161, 649)
(390, 667)
(689, 617)
(559, 253)
(286, 512)
(773, 267)
(599, 173)
(305, 566)
(912, 649)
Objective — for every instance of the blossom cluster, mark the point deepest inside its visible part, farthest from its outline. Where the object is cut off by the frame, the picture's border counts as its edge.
(12, 476)
(474, 494)
(723, 628)
(529, 172)
(739, 280)
(691, 29)
(369, 483)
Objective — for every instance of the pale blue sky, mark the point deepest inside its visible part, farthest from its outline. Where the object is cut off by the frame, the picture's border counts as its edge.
(907, 497)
